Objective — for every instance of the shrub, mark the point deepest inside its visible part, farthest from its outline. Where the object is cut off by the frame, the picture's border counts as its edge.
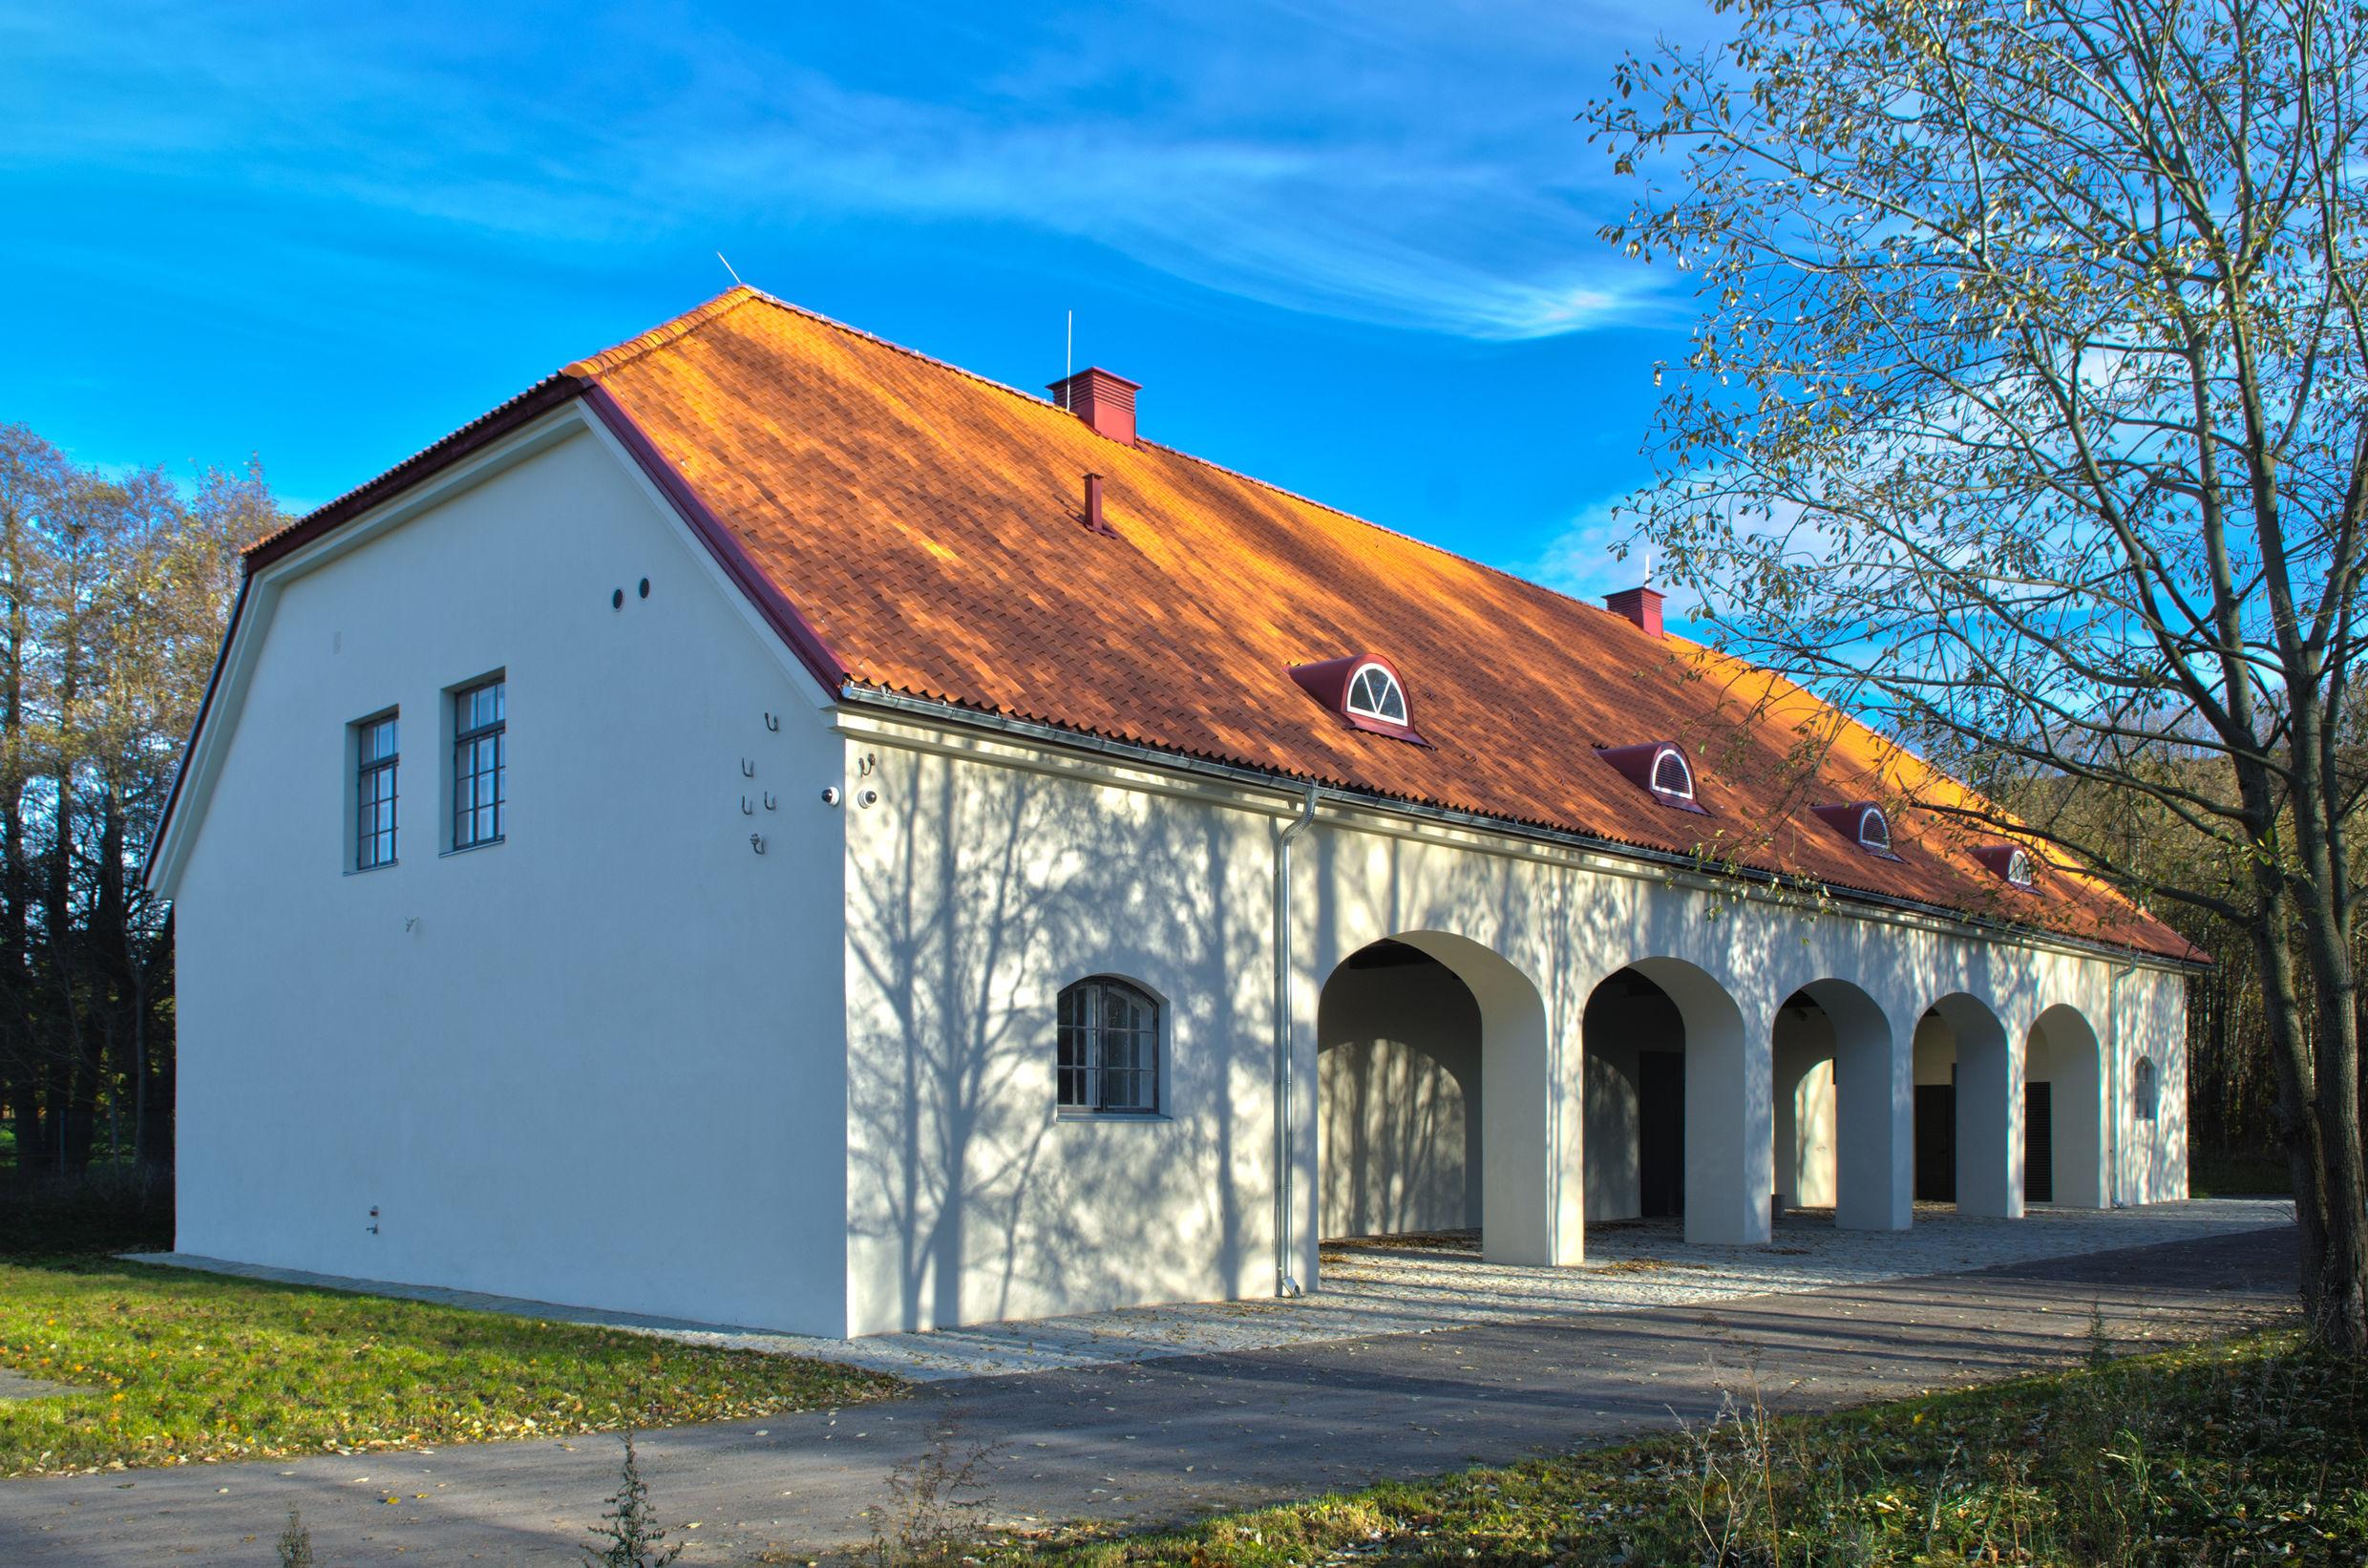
(112, 1208)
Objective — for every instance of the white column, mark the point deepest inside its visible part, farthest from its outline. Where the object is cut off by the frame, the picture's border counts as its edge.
(1989, 1121)
(1875, 1120)
(1730, 1124)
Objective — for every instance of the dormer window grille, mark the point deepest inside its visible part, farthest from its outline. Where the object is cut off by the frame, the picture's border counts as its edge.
(1374, 693)
(1875, 831)
(1671, 777)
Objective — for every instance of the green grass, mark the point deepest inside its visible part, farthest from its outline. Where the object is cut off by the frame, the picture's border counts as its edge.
(183, 1367)
(2247, 1451)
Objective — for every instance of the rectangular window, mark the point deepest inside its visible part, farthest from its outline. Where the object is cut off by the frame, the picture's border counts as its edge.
(481, 767)
(377, 754)
(1108, 1044)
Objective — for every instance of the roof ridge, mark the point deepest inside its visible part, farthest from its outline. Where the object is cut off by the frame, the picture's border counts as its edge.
(673, 329)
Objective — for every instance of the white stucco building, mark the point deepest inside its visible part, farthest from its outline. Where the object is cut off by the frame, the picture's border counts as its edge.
(770, 829)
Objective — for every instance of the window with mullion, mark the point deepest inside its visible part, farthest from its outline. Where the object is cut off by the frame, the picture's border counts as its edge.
(376, 757)
(481, 765)
(1108, 1050)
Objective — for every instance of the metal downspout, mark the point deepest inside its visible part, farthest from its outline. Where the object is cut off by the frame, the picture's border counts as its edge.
(2113, 1079)
(1285, 1284)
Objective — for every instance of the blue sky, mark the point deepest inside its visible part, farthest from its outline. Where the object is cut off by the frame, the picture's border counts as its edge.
(1348, 248)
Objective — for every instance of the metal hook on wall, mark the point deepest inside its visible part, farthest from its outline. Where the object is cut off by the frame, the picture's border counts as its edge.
(771, 804)
(772, 722)
(746, 810)
(748, 767)
(757, 843)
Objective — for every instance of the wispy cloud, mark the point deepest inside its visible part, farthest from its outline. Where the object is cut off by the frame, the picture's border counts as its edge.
(1409, 166)
(1596, 553)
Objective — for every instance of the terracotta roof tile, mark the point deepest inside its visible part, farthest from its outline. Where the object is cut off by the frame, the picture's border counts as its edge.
(925, 523)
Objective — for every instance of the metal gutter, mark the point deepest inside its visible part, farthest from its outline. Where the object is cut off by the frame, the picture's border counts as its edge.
(1292, 786)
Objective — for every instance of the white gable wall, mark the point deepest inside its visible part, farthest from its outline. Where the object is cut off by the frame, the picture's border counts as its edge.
(599, 1063)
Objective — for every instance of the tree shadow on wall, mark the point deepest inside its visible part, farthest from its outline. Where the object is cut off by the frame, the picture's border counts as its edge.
(986, 893)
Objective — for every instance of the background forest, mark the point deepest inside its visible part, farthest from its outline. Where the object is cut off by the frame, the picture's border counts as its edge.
(115, 590)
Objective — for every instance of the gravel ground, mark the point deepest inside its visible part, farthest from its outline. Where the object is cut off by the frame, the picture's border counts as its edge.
(1413, 1284)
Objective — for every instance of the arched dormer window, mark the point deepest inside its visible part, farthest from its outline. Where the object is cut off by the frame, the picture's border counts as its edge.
(1108, 1049)
(1863, 823)
(1365, 690)
(1661, 769)
(1374, 693)
(1875, 831)
(2011, 861)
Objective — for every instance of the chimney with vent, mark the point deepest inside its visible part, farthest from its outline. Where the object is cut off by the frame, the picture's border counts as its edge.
(1641, 604)
(1102, 401)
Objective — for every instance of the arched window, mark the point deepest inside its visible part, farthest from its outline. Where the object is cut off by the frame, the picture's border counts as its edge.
(1874, 830)
(2019, 868)
(2144, 1091)
(1671, 777)
(1108, 1049)
(1373, 693)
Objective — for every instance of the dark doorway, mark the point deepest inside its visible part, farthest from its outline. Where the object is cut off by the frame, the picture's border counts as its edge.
(1935, 1143)
(2039, 1143)
(1660, 1132)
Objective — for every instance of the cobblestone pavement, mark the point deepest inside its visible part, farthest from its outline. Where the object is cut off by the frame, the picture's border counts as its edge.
(1408, 1285)
(1164, 1439)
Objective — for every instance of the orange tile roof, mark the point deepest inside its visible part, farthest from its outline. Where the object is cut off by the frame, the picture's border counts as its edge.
(925, 523)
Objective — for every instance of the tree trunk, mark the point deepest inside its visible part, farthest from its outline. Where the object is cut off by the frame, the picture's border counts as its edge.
(2335, 1290)
(153, 1142)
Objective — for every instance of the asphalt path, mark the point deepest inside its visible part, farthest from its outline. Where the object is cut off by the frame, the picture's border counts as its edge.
(1168, 1440)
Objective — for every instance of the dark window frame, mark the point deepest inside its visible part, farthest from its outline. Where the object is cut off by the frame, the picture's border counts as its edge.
(375, 841)
(477, 821)
(1105, 1062)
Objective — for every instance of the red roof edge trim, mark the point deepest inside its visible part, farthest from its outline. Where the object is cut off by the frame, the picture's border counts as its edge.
(480, 432)
(751, 579)
(1637, 763)
(1326, 679)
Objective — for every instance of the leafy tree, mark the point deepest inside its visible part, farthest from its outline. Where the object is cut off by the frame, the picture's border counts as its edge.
(113, 594)
(2027, 408)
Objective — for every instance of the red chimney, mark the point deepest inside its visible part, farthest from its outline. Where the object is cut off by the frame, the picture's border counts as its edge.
(1642, 605)
(1102, 401)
